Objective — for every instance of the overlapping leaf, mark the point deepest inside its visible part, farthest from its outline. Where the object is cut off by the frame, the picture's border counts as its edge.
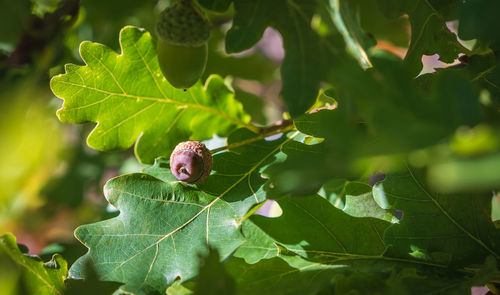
(357, 41)
(320, 232)
(333, 247)
(293, 275)
(289, 275)
(429, 33)
(38, 277)
(364, 125)
(127, 95)
(486, 29)
(212, 278)
(355, 198)
(454, 229)
(302, 68)
(163, 223)
(257, 245)
(216, 5)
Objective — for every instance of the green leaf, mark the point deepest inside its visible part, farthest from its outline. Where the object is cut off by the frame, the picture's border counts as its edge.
(285, 275)
(212, 278)
(14, 18)
(131, 101)
(355, 198)
(38, 277)
(357, 41)
(302, 67)
(351, 250)
(257, 245)
(458, 225)
(163, 224)
(485, 72)
(318, 231)
(479, 20)
(91, 284)
(429, 34)
(293, 275)
(392, 113)
(375, 23)
(216, 5)
(177, 289)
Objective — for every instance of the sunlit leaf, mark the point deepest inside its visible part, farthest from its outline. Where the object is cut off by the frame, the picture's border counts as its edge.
(127, 95)
(164, 224)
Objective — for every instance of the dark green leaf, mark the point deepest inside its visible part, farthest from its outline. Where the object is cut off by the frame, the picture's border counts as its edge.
(14, 17)
(318, 231)
(302, 67)
(357, 41)
(91, 284)
(374, 22)
(212, 278)
(479, 20)
(389, 114)
(216, 5)
(429, 34)
(355, 265)
(285, 275)
(453, 229)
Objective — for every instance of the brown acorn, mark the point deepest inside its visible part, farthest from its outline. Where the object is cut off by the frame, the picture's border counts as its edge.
(191, 162)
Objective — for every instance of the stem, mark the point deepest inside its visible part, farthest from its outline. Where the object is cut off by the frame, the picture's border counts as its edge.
(251, 127)
(285, 126)
(251, 212)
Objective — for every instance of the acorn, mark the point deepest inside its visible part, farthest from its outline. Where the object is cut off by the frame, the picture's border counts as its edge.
(191, 162)
(183, 32)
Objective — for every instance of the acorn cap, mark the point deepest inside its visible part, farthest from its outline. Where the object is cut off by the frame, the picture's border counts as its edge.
(187, 148)
(183, 24)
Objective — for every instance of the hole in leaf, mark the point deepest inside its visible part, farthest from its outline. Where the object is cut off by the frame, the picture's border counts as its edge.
(270, 209)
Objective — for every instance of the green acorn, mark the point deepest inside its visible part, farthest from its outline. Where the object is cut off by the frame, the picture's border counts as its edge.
(183, 32)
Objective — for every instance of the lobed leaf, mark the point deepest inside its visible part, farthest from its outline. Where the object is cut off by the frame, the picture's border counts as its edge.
(38, 277)
(302, 66)
(454, 229)
(392, 113)
(356, 199)
(323, 248)
(127, 95)
(429, 33)
(320, 232)
(164, 224)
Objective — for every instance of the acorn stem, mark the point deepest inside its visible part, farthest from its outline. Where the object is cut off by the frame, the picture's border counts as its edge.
(184, 170)
(287, 126)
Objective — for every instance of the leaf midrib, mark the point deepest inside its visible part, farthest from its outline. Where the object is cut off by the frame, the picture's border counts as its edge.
(449, 217)
(161, 100)
(207, 207)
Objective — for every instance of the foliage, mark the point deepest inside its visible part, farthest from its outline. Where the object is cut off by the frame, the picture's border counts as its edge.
(386, 178)
(36, 276)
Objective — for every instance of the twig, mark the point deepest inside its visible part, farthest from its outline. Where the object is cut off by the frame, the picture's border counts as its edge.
(280, 127)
